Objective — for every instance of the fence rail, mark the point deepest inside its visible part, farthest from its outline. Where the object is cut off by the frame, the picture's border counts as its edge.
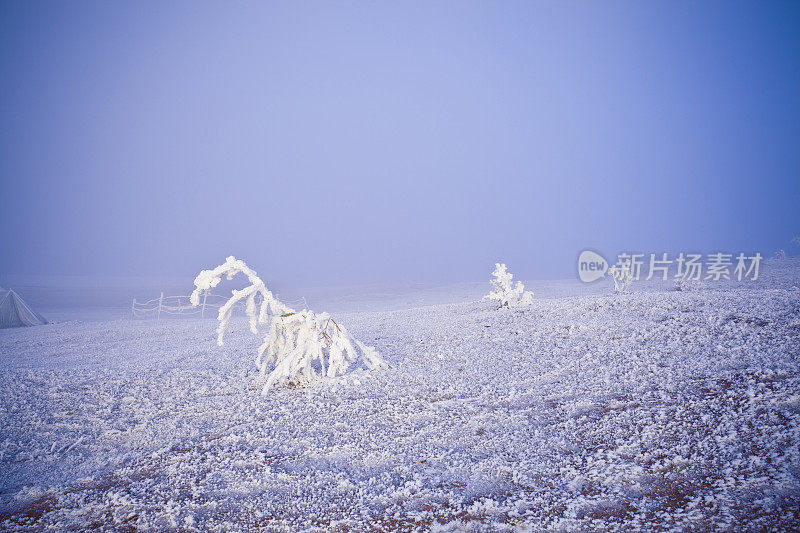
(180, 305)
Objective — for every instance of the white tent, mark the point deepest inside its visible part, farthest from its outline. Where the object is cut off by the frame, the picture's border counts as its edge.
(14, 312)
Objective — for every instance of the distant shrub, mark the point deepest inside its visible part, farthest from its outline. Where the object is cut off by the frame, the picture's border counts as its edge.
(622, 276)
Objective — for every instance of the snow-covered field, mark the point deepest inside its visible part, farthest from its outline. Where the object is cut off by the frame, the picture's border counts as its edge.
(653, 410)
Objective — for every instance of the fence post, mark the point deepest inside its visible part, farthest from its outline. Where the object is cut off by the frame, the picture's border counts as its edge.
(203, 310)
(160, 299)
(133, 309)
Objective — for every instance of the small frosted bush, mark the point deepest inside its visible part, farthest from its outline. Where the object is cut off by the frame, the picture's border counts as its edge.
(622, 276)
(506, 294)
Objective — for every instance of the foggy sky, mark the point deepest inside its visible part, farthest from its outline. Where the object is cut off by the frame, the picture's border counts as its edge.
(337, 142)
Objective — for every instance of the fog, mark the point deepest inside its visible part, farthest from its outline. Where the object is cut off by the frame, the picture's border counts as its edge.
(413, 142)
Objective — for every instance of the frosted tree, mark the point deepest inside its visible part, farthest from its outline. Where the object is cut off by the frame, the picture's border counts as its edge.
(622, 276)
(299, 345)
(780, 255)
(504, 292)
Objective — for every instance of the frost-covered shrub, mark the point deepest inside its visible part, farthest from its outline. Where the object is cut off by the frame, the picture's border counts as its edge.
(300, 345)
(504, 292)
(780, 254)
(686, 284)
(622, 276)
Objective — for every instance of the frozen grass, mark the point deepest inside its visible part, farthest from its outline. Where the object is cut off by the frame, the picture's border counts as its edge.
(652, 410)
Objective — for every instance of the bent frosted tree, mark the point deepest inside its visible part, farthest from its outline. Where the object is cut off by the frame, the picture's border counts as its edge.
(300, 345)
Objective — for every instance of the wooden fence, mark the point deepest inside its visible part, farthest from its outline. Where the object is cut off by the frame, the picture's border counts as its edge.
(180, 305)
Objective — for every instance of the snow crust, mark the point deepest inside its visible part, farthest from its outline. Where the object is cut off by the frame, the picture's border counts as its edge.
(653, 410)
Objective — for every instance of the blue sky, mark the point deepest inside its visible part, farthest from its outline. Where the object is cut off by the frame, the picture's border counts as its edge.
(342, 142)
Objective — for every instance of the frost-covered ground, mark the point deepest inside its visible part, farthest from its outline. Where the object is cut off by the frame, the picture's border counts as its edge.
(653, 410)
